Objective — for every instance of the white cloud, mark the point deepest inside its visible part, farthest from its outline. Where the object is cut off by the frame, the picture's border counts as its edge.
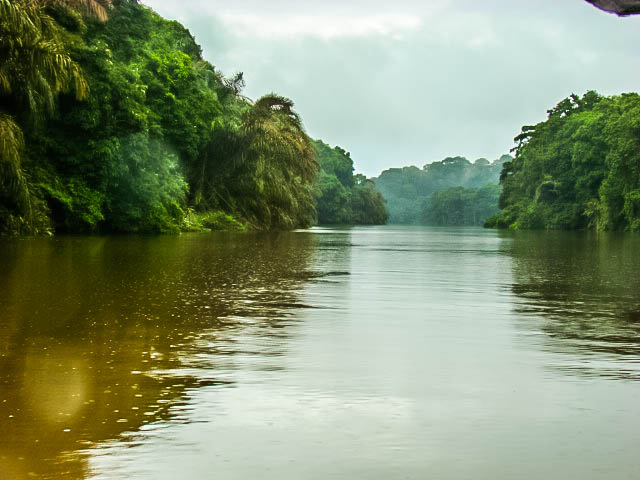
(323, 26)
(414, 81)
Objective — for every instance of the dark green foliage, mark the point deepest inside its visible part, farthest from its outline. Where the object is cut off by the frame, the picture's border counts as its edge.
(345, 198)
(578, 169)
(333, 200)
(72, 206)
(367, 205)
(461, 206)
(147, 192)
(34, 69)
(408, 189)
(154, 137)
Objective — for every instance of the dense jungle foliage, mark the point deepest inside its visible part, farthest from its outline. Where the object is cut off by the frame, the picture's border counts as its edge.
(110, 120)
(408, 191)
(578, 169)
(345, 198)
(461, 206)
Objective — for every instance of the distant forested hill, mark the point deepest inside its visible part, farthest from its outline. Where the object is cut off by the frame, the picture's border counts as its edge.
(409, 191)
(578, 169)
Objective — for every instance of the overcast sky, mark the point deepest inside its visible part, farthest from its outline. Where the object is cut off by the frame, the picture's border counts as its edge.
(408, 82)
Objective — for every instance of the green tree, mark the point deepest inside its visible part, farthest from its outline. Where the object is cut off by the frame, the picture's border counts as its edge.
(35, 68)
(263, 165)
(163, 141)
(342, 197)
(578, 169)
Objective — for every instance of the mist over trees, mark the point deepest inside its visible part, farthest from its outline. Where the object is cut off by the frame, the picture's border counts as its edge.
(461, 206)
(408, 191)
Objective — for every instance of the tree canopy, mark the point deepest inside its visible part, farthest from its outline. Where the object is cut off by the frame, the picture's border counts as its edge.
(111, 120)
(578, 169)
(345, 198)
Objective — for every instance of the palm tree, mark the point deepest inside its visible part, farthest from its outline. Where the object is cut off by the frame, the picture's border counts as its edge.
(275, 130)
(34, 68)
(96, 8)
(281, 162)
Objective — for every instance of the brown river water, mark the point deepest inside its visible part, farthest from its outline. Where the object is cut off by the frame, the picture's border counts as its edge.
(364, 353)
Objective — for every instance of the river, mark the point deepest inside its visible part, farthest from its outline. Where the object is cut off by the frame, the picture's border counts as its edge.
(363, 353)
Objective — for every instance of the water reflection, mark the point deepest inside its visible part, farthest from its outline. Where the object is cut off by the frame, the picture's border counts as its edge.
(395, 352)
(102, 335)
(585, 289)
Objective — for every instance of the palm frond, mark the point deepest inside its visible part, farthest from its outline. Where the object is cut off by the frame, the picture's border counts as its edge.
(35, 68)
(95, 8)
(11, 176)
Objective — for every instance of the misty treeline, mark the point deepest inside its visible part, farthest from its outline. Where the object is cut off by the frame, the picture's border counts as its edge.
(450, 192)
(577, 170)
(110, 120)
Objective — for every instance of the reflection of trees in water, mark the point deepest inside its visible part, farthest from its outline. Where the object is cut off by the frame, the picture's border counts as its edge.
(94, 329)
(587, 288)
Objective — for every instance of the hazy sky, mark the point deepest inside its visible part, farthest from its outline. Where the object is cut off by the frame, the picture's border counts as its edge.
(407, 82)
